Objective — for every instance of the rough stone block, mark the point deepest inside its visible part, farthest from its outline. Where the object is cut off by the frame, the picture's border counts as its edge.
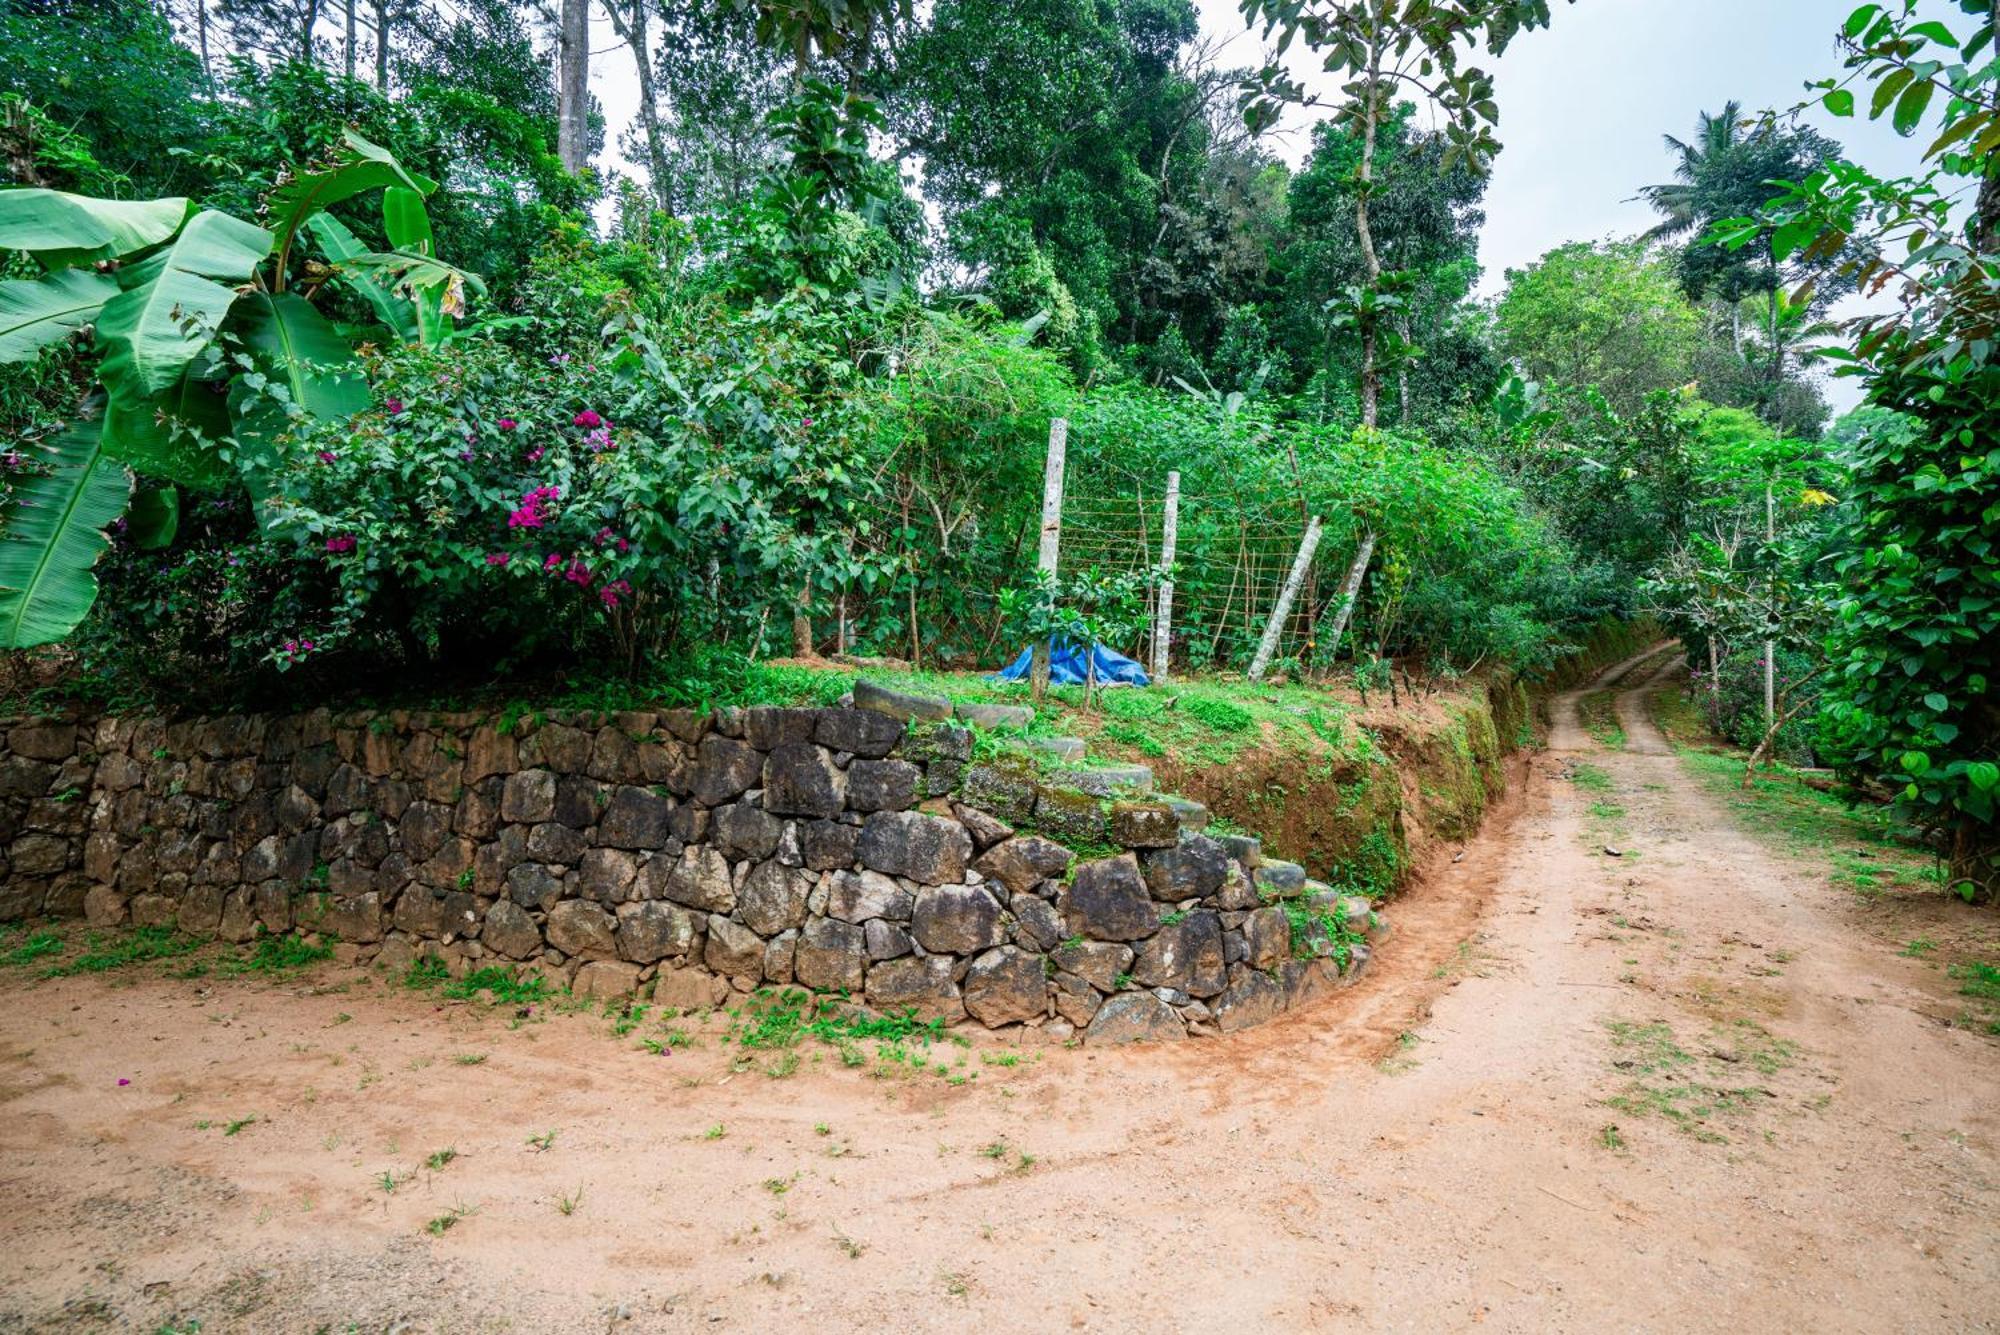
(800, 780)
(928, 849)
(831, 956)
(1107, 901)
(1005, 986)
(1132, 1017)
(1022, 863)
(956, 919)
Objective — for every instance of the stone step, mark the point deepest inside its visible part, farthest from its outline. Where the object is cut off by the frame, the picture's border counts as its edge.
(1109, 781)
(994, 716)
(1247, 849)
(1194, 816)
(1277, 877)
(900, 704)
(1068, 749)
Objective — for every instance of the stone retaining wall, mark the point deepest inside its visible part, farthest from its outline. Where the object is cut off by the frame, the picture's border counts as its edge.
(677, 855)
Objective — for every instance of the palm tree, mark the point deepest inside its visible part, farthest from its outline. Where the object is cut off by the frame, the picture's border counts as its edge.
(1715, 137)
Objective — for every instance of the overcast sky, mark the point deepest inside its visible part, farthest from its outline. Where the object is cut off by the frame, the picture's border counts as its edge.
(1583, 104)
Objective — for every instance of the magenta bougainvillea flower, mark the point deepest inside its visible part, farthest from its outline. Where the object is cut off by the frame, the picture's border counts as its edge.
(535, 455)
(529, 514)
(507, 424)
(341, 543)
(554, 562)
(611, 592)
(578, 573)
(327, 456)
(588, 418)
(394, 407)
(498, 558)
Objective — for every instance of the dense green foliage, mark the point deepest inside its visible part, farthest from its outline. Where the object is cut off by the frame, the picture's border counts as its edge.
(316, 359)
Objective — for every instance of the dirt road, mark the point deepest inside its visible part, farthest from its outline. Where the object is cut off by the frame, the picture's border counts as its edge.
(1683, 1088)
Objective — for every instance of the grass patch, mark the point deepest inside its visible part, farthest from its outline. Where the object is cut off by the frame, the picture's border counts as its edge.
(507, 987)
(139, 946)
(1863, 848)
(277, 955)
(1978, 981)
(1590, 778)
(779, 1019)
(1599, 714)
(39, 945)
(1691, 1090)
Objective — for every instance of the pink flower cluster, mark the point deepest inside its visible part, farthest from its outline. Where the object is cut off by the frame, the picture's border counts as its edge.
(530, 514)
(342, 543)
(588, 418)
(297, 649)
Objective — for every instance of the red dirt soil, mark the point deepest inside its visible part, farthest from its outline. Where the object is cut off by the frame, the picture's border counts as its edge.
(1431, 1150)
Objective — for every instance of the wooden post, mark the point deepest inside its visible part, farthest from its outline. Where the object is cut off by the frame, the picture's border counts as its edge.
(1276, 625)
(1163, 598)
(1050, 552)
(1350, 593)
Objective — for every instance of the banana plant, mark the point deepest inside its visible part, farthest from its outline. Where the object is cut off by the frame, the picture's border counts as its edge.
(206, 354)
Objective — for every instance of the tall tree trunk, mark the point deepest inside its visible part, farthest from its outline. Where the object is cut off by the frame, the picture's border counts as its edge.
(348, 54)
(307, 23)
(201, 30)
(573, 86)
(1403, 371)
(1371, 375)
(631, 29)
(382, 46)
(1777, 355)
(1770, 646)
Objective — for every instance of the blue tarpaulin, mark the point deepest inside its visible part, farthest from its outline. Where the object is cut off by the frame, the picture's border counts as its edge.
(1066, 666)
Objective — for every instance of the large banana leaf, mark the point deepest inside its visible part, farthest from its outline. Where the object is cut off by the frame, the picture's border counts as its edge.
(61, 228)
(299, 348)
(54, 535)
(173, 434)
(361, 167)
(173, 304)
(340, 245)
(407, 221)
(300, 353)
(154, 518)
(36, 314)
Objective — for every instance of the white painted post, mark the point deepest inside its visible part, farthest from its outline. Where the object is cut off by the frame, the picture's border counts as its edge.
(1163, 598)
(1276, 625)
(1050, 552)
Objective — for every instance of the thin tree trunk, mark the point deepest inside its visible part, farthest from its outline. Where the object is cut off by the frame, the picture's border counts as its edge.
(573, 86)
(631, 29)
(1777, 722)
(1714, 685)
(1371, 375)
(382, 46)
(1403, 372)
(306, 26)
(802, 626)
(348, 55)
(1770, 646)
(201, 30)
(1350, 592)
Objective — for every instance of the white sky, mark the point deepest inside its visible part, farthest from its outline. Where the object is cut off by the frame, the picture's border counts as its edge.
(1583, 104)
